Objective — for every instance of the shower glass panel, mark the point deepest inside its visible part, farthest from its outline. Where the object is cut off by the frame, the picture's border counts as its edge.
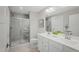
(25, 29)
(20, 29)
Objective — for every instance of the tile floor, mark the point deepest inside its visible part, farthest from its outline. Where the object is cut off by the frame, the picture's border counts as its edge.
(24, 47)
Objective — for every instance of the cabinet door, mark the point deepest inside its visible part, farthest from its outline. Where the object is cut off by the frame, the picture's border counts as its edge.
(45, 44)
(68, 49)
(55, 47)
(40, 43)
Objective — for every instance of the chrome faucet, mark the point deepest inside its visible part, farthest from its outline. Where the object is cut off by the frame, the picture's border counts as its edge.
(67, 33)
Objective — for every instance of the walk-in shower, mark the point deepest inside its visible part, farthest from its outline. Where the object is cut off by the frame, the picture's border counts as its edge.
(19, 28)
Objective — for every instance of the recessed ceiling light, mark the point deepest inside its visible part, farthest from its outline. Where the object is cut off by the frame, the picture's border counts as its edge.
(21, 8)
(51, 9)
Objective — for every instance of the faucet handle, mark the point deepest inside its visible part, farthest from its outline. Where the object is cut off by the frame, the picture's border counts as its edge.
(70, 32)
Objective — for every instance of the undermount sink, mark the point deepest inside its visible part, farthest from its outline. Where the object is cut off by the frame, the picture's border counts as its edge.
(49, 33)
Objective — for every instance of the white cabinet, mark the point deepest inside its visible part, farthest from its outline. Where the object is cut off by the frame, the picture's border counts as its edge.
(40, 43)
(54, 46)
(45, 44)
(49, 45)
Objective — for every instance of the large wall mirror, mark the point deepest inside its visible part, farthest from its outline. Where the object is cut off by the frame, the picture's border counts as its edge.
(58, 23)
(55, 23)
(65, 22)
(74, 24)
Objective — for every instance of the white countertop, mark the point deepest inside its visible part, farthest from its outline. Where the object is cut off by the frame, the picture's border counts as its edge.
(73, 43)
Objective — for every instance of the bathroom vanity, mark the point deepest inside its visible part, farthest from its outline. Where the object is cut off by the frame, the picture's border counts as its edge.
(66, 23)
(51, 43)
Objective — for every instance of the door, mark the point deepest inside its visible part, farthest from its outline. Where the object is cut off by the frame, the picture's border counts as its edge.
(4, 28)
(20, 29)
(25, 28)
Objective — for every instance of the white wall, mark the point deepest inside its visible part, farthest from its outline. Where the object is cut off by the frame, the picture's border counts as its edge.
(33, 24)
(74, 24)
(4, 27)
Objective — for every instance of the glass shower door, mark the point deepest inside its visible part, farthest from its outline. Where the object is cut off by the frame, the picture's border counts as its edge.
(20, 30)
(25, 30)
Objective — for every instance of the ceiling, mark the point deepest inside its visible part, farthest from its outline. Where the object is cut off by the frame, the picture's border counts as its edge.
(63, 10)
(26, 9)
